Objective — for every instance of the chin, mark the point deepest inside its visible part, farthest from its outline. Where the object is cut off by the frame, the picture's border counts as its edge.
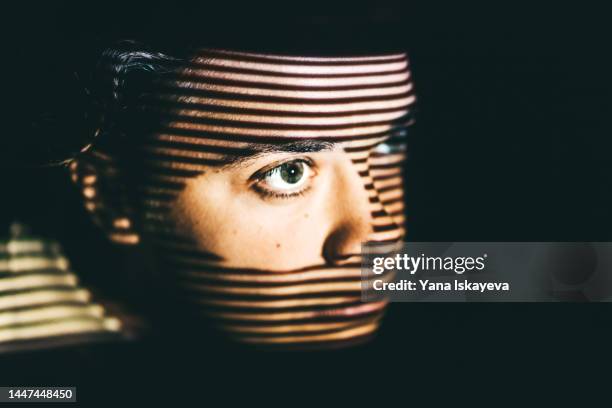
(314, 307)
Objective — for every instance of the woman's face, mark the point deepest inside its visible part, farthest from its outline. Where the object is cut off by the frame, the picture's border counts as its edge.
(289, 207)
(265, 177)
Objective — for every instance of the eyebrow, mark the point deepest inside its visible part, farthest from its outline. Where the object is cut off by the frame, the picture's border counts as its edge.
(255, 150)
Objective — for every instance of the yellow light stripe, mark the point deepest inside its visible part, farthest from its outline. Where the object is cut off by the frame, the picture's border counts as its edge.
(124, 238)
(14, 247)
(307, 59)
(360, 131)
(297, 94)
(183, 153)
(49, 313)
(283, 291)
(392, 182)
(59, 329)
(204, 141)
(341, 335)
(299, 81)
(36, 281)
(294, 120)
(304, 69)
(330, 273)
(308, 327)
(387, 235)
(33, 263)
(297, 315)
(279, 304)
(293, 289)
(42, 297)
(294, 107)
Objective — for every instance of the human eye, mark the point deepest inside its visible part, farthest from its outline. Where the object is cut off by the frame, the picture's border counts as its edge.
(395, 144)
(391, 146)
(285, 180)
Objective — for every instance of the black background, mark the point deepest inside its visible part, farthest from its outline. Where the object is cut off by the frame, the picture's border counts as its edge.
(512, 143)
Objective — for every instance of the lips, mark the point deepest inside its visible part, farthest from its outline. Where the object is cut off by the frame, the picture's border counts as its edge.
(357, 310)
(317, 305)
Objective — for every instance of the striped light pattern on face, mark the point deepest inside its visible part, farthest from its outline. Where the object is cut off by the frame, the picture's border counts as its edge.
(219, 108)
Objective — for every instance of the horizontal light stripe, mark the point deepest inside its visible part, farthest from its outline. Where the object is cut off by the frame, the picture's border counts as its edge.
(304, 69)
(357, 131)
(59, 329)
(337, 107)
(285, 290)
(275, 57)
(36, 281)
(294, 120)
(278, 303)
(183, 153)
(358, 310)
(43, 297)
(293, 328)
(298, 81)
(15, 247)
(337, 336)
(391, 182)
(33, 263)
(399, 90)
(323, 274)
(49, 313)
(120, 237)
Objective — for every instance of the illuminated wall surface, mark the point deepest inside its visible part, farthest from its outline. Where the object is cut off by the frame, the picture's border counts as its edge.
(41, 301)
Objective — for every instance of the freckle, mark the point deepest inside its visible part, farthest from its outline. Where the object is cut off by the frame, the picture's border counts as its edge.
(234, 232)
(306, 215)
(278, 245)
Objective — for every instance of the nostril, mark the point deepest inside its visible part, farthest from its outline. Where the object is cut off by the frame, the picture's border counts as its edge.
(343, 246)
(343, 260)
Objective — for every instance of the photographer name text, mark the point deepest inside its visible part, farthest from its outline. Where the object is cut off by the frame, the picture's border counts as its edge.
(431, 286)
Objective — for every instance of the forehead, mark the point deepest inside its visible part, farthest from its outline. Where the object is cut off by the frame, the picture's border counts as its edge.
(246, 97)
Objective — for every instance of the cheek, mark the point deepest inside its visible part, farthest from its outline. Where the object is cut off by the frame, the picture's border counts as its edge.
(247, 232)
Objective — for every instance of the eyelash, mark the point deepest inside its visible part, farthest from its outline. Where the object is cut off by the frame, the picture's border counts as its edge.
(261, 175)
(270, 194)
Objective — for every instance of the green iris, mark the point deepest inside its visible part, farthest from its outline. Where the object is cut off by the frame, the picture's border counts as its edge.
(292, 172)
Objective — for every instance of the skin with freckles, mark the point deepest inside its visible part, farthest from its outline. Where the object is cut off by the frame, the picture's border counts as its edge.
(259, 184)
(318, 219)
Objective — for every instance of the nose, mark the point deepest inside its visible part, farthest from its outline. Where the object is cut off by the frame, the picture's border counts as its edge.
(352, 214)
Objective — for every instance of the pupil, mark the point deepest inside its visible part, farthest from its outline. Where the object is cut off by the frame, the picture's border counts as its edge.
(292, 172)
